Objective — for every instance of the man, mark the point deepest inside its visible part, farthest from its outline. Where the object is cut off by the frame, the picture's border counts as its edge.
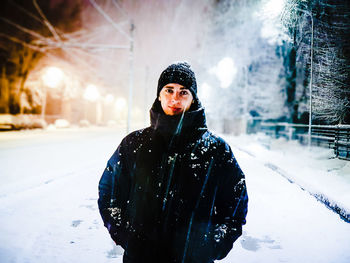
(173, 192)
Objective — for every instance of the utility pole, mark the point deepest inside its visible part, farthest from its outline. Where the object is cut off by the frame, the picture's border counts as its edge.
(130, 37)
(311, 75)
(43, 107)
(146, 113)
(131, 75)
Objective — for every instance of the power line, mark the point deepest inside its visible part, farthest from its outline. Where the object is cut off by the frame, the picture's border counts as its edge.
(107, 17)
(88, 45)
(120, 8)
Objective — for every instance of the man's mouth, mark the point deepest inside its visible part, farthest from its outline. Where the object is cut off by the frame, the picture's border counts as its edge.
(175, 109)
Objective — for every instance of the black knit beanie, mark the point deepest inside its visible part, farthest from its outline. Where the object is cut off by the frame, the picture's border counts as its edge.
(180, 73)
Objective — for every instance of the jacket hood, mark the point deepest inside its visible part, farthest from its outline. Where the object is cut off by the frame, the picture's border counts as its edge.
(184, 124)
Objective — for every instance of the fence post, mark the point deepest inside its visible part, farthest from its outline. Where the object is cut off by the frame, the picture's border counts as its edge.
(336, 139)
(276, 131)
(347, 143)
(291, 132)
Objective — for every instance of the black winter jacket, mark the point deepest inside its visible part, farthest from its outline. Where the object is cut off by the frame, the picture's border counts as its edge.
(173, 192)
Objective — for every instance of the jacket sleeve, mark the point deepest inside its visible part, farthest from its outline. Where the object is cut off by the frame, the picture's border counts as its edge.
(111, 200)
(231, 205)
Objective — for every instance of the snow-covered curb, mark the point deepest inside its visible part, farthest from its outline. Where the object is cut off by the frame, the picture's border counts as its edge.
(331, 204)
(314, 170)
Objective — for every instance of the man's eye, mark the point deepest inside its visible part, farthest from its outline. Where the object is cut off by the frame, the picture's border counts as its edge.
(169, 91)
(184, 92)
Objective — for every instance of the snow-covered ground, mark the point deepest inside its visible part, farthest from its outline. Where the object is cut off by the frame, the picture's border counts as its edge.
(48, 200)
(285, 223)
(316, 169)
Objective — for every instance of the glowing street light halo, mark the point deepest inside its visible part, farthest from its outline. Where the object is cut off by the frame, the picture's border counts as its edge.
(204, 91)
(91, 93)
(109, 98)
(52, 77)
(273, 8)
(225, 71)
(120, 104)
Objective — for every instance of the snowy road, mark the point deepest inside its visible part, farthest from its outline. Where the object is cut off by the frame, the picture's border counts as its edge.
(48, 209)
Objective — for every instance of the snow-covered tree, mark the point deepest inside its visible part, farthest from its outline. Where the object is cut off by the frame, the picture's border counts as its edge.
(22, 24)
(331, 56)
(243, 32)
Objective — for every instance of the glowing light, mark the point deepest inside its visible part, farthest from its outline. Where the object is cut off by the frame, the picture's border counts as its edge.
(273, 8)
(204, 91)
(52, 77)
(120, 104)
(225, 71)
(109, 99)
(270, 16)
(91, 93)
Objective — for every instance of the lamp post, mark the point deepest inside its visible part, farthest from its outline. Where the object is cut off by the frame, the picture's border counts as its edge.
(91, 95)
(52, 78)
(130, 37)
(131, 74)
(120, 106)
(311, 73)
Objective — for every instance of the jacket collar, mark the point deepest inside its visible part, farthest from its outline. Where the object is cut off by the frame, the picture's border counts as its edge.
(183, 125)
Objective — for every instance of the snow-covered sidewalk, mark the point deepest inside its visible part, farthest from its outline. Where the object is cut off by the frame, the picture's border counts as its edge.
(285, 223)
(315, 170)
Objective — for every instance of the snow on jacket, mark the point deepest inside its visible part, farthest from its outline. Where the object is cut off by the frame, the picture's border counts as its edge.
(173, 192)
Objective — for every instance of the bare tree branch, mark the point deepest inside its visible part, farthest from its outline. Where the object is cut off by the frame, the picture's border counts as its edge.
(28, 31)
(25, 11)
(46, 21)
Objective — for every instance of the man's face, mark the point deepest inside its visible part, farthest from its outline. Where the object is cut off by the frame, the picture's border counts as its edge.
(175, 99)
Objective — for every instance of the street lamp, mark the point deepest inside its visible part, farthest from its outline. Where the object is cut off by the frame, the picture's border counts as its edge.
(51, 78)
(120, 106)
(204, 91)
(311, 72)
(225, 71)
(91, 93)
(109, 99)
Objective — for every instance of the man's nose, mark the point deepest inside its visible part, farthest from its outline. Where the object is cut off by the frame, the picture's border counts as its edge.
(175, 96)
